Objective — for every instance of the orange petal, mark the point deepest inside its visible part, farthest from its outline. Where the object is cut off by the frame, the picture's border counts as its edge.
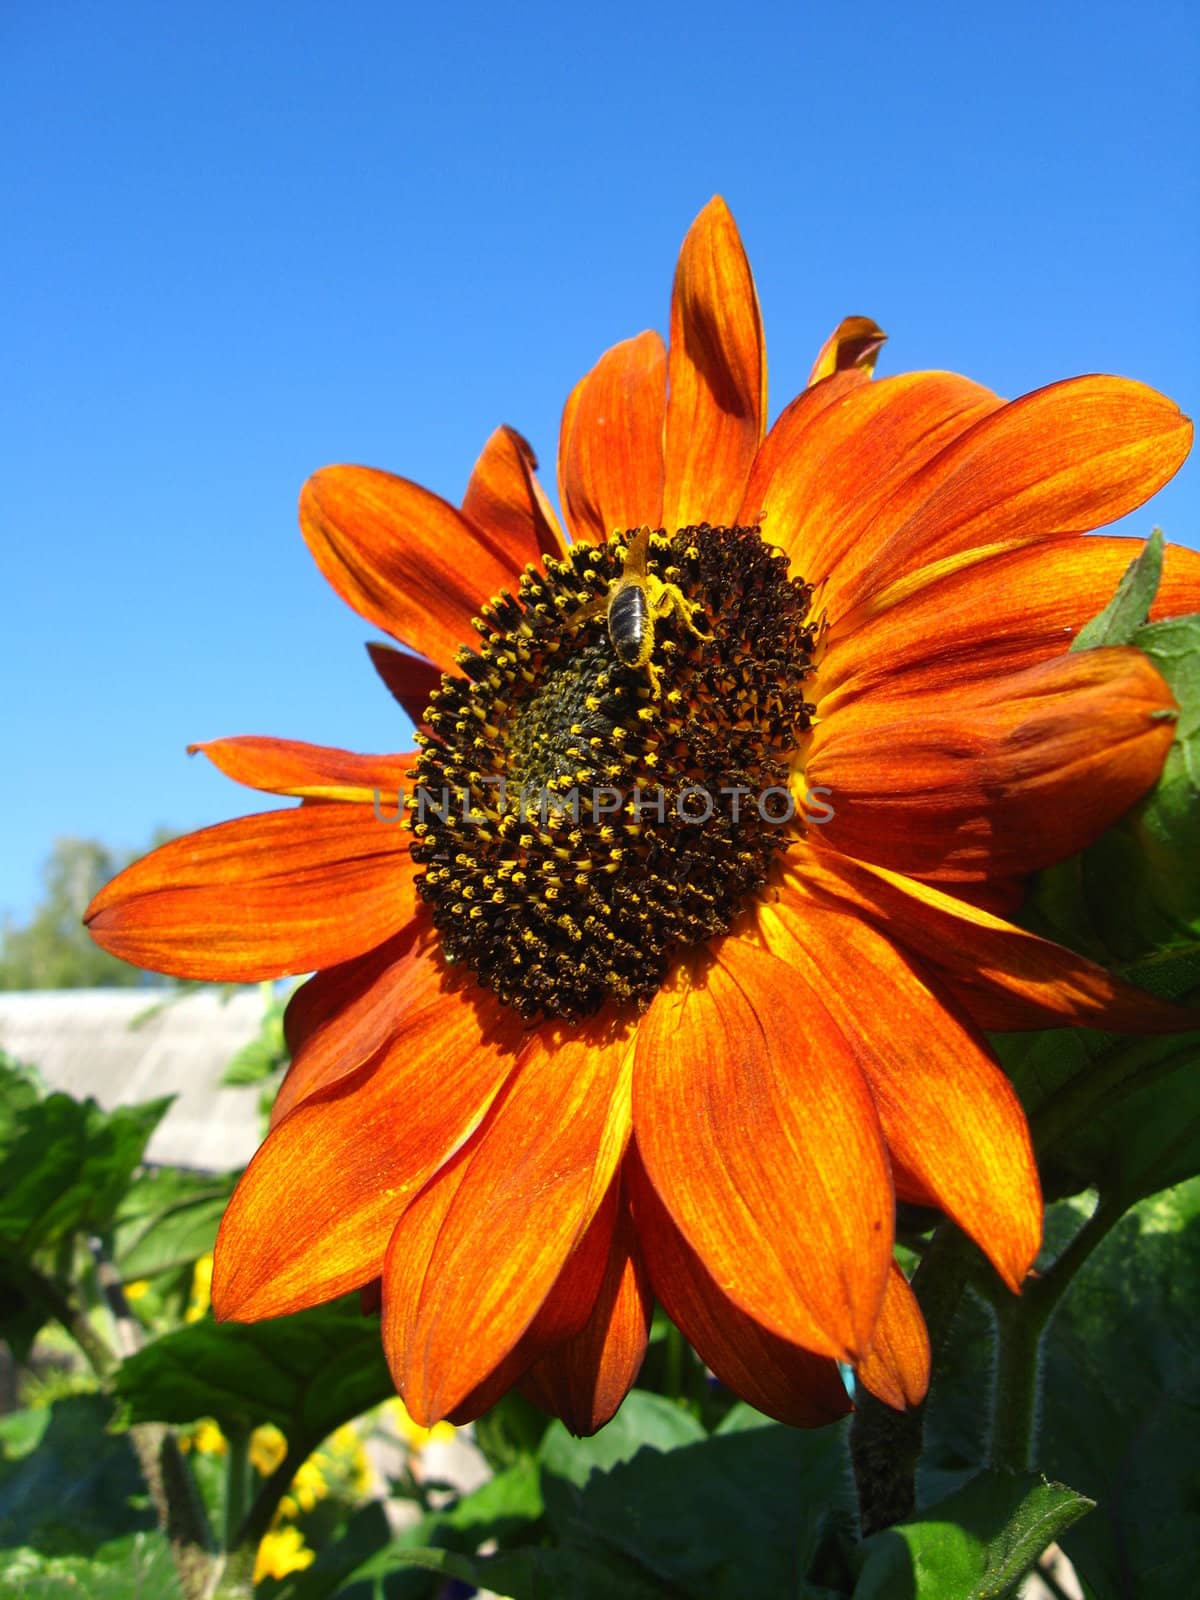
(854, 345)
(1005, 976)
(777, 1377)
(949, 626)
(405, 559)
(610, 454)
(997, 780)
(896, 1368)
(313, 1213)
(717, 403)
(315, 771)
(458, 1297)
(746, 1097)
(826, 478)
(949, 1115)
(343, 1016)
(410, 680)
(262, 897)
(584, 1379)
(1065, 459)
(564, 1312)
(505, 499)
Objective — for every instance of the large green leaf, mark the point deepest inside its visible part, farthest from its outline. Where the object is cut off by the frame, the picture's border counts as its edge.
(739, 1512)
(66, 1484)
(307, 1373)
(167, 1219)
(1121, 1402)
(66, 1163)
(977, 1544)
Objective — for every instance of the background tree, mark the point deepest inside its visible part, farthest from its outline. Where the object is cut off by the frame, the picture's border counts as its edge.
(53, 950)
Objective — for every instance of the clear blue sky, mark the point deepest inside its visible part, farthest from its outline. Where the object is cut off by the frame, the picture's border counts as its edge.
(244, 240)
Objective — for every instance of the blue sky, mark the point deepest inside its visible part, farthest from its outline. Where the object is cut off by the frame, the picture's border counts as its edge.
(246, 240)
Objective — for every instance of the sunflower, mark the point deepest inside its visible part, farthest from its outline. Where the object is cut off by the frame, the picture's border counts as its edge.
(660, 968)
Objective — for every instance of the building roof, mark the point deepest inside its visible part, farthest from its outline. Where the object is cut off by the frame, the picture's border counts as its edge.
(121, 1046)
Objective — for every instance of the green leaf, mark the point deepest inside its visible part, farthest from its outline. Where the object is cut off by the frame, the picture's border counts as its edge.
(511, 1431)
(1144, 1138)
(742, 1511)
(1121, 1401)
(138, 1567)
(307, 1373)
(66, 1163)
(66, 1484)
(167, 1219)
(974, 1545)
(644, 1421)
(1129, 608)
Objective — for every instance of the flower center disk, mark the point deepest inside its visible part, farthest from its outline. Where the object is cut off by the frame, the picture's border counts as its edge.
(586, 803)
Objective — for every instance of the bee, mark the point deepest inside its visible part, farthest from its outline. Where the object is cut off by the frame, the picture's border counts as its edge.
(634, 602)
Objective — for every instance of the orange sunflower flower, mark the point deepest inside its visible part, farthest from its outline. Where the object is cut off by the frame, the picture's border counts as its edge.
(654, 1034)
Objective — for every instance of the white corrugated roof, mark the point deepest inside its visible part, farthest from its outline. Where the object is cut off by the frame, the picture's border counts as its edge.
(90, 1042)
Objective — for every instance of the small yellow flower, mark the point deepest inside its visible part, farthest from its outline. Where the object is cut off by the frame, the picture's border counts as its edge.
(267, 1449)
(137, 1290)
(309, 1485)
(205, 1438)
(281, 1551)
(201, 1287)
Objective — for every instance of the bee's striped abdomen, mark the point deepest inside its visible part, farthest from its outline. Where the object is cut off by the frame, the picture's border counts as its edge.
(628, 621)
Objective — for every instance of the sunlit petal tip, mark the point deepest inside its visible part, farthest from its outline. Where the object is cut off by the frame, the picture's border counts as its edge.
(306, 771)
(751, 1063)
(506, 501)
(315, 885)
(405, 559)
(610, 459)
(717, 375)
(896, 1368)
(853, 345)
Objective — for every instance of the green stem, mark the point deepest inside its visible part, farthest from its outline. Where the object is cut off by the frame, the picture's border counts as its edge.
(885, 1445)
(258, 1519)
(1021, 1324)
(673, 1360)
(237, 1486)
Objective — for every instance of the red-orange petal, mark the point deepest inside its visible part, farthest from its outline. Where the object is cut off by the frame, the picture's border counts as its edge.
(996, 780)
(584, 1378)
(951, 625)
(745, 1091)
(458, 1300)
(717, 371)
(780, 1378)
(505, 499)
(410, 680)
(949, 1114)
(311, 771)
(267, 896)
(896, 1368)
(405, 559)
(343, 1016)
(1005, 976)
(1065, 459)
(826, 479)
(610, 454)
(854, 345)
(564, 1312)
(313, 1213)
